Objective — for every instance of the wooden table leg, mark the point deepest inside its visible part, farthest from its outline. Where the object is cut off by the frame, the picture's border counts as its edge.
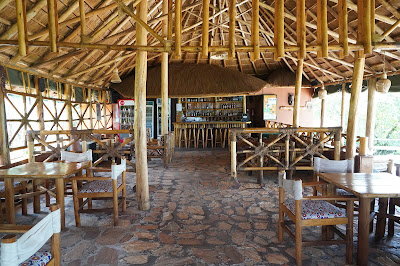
(36, 199)
(10, 210)
(381, 220)
(60, 199)
(363, 231)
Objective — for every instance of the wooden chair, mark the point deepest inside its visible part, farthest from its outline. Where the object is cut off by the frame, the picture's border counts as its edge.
(100, 188)
(19, 187)
(25, 249)
(313, 211)
(393, 202)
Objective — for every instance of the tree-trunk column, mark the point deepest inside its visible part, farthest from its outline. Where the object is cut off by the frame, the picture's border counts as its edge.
(5, 151)
(142, 183)
(297, 93)
(164, 76)
(370, 129)
(356, 85)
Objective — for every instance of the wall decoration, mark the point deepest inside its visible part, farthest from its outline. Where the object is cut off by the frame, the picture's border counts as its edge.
(270, 102)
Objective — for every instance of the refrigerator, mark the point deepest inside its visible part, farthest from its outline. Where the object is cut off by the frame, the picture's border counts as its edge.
(158, 101)
(125, 114)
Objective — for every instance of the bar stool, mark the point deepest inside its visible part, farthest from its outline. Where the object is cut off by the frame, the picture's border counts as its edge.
(182, 136)
(200, 132)
(218, 136)
(209, 136)
(192, 136)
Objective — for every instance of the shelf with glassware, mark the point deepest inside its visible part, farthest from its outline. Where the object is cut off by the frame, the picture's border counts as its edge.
(214, 108)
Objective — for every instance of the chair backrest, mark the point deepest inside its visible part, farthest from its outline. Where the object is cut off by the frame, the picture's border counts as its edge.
(333, 166)
(292, 187)
(29, 243)
(75, 157)
(117, 169)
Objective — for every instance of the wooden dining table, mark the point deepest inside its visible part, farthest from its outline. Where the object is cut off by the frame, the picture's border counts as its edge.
(365, 186)
(37, 171)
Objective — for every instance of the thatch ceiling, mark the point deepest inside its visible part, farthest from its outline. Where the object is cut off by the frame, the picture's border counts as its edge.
(105, 26)
(188, 80)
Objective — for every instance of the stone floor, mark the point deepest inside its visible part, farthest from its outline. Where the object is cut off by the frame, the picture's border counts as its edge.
(199, 217)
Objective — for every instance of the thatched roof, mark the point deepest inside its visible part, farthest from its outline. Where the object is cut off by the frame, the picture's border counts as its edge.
(111, 37)
(284, 78)
(187, 80)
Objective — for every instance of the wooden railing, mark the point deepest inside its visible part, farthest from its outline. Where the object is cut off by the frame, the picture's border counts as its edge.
(54, 142)
(288, 149)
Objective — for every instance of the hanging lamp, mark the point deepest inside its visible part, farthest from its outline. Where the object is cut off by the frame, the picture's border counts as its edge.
(322, 93)
(115, 76)
(383, 84)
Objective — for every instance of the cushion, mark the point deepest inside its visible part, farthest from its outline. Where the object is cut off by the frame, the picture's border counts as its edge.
(343, 192)
(316, 209)
(98, 186)
(38, 259)
(2, 187)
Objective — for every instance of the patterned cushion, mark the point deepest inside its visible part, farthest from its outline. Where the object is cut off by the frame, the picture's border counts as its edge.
(2, 187)
(343, 192)
(38, 259)
(98, 186)
(316, 209)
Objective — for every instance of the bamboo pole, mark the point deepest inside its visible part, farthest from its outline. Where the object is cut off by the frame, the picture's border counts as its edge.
(322, 112)
(322, 27)
(170, 20)
(164, 76)
(105, 108)
(90, 107)
(301, 28)
(21, 25)
(142, 185)
(40, 113)
(82, 17)
(255, 30)
(337, 145)
(370, 127)
(5, 149)
(52, 15)
(297, 92)
(342, 111)
(364, 25)
(343, 28)
(68, 94)
(178, 29)
(355, 93)
(233, 157)
(205, 28)
(232, 26)
(279, 30)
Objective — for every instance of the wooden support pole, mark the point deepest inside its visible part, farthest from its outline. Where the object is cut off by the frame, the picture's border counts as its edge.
(52, 15)
(4, 146)
(343, 28)
(322, 112)
(337, 145)
(233, 157)
(363, 150)
(322, 27)
(105, 109)
(279, 30)
(370, 126)
(170, 20)
(255, 30)
(178, 29)
(90, 107)
(297, 92)
(164, 76)
(342, 107)
(232, 26)
(82, 16)
(40, 113)
(21, 25)
(205, 28)
(355, 94)
(142, 182)
(68, 94)
(301, 28)
(364, 25)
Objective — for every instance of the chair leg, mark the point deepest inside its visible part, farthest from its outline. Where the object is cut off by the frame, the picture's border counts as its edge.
(299, 244)
(124, 197)
(24, 200)
(115, 202)
(391, 221)
(349, 232)
(76, 203)
(280, 226)
(46, 195)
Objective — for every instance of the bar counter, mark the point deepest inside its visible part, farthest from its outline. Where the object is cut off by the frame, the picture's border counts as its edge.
(205, 134)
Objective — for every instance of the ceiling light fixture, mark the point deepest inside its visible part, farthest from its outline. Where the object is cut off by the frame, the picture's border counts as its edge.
(115, 76)
(322, 93)
(383, 84)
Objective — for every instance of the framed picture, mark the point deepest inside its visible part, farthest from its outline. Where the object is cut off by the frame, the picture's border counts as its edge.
(270, 107)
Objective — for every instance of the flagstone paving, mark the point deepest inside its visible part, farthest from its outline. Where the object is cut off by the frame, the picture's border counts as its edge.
(198, 216)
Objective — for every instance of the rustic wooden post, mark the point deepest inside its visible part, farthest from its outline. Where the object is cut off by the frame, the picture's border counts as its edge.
(322, 113)
(343, 28)
(370, 128)
(20, 8)
(68, 94)
(31, 148)
(82, 19)
(39, 106)
(301, 27)
(363, 150)
(90, 99)
(164, 76)
(36, 182)
(205, 28)
(142, 183)
(255, 30)
(337, 145)
(178, 29)
(232, 26)
(297, 92)
(104, 93)
(322, 27)
(233, 155)
(342, 107)
(279, 30)
(355, 93)
(5, 150)
(52, 15)
(287, 150)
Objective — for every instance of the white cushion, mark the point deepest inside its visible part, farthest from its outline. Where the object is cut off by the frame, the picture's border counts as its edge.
(316, 209)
